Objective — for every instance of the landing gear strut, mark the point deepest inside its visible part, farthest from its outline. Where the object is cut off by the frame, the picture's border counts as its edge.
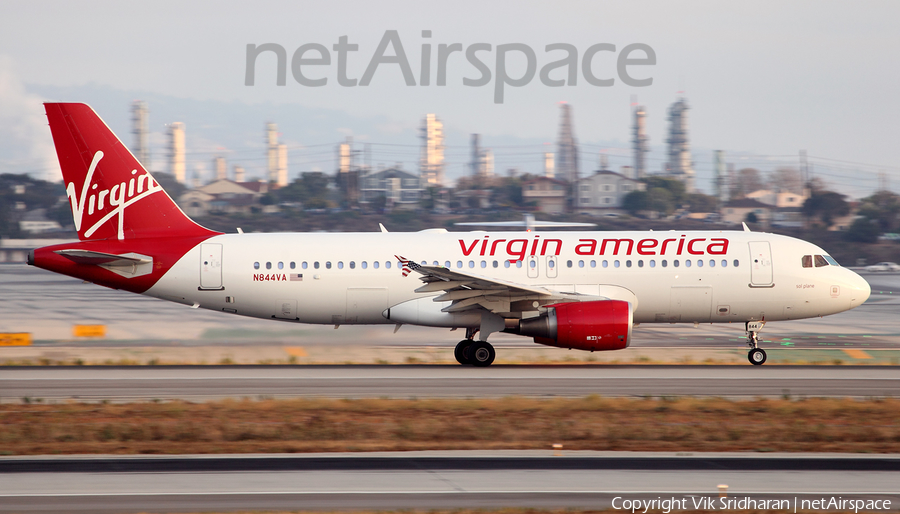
(756, 356)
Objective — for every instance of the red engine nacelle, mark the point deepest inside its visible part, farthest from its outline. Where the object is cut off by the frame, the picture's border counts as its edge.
(591, 326)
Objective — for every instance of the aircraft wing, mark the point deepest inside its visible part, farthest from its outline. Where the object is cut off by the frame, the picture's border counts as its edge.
(471, 291)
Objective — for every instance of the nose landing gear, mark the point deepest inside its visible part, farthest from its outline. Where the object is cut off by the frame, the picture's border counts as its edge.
(756, 356)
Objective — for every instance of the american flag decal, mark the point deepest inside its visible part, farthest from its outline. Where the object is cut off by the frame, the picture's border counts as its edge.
(407, 265)
(296, 277)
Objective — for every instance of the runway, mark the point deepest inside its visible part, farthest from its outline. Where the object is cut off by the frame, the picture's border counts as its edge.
(198, 383)
(411, 480)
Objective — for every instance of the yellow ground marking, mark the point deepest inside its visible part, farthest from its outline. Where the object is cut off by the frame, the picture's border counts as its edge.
(856, 354)
(296, 351)
(15, 339)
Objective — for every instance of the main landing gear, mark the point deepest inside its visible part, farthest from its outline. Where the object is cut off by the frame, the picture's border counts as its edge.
(476, 353)
(756, 356)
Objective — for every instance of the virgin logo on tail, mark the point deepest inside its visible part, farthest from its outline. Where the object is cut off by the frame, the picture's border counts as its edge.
(116, 198)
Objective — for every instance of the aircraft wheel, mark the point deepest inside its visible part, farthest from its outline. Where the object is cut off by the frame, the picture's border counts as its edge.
(757, 356)
(460, 351)
(481, 354)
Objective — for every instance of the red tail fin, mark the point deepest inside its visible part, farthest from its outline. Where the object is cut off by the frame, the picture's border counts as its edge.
(111, 194)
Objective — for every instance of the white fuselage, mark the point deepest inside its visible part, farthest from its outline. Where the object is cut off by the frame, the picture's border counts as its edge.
(333, 278)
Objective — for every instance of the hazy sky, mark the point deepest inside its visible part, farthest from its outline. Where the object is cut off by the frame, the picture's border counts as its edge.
(767, 77)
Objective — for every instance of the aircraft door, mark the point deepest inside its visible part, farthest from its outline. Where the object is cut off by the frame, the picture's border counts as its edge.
(532, 263)
(551, 266)
(761, 264)
(211, 266)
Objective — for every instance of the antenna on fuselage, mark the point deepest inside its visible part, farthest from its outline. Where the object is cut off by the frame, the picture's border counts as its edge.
(382, 228)
(746, 228)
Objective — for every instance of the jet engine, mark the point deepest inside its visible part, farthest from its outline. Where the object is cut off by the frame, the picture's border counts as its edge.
(591, 326)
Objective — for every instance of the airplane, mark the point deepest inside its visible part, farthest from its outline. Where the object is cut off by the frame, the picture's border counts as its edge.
(581, 289)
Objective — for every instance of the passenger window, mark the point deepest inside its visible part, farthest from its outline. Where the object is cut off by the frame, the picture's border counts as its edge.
(652, 263)
(436, 263)
(593, 264)
(580, 264)
(532, 263)
(518, 264)
(687, 263)
(616, 263)
(327, 264)
(712, 263)
(268, 265)
(820, 261)
(387, 264)
(340, 264)
(640, 263)
(255, 265)
(352, 265)
(459, 264)
(280, 265)
(316, 265)
(506, 263)
(699, 263)
(568, 264)
(737, 263)
(665, 263)
(496, 264)
(628, 263)
(551, 264)
(364, 264)
(471, 264)
(605, 264)
(446, 264)
(293, 265)
(376, 264)
(483, 264)
(724, 263)
(303, 265)
(675, 263)
(806, 261)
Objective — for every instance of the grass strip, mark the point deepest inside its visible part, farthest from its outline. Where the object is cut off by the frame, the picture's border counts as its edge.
(326, 425)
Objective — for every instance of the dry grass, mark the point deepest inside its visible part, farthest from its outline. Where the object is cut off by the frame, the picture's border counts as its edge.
(591, 423)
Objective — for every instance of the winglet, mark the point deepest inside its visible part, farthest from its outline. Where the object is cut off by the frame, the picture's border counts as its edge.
(746, 228)
(382, 228)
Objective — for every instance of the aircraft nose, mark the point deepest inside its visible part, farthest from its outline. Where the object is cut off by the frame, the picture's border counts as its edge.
(860, 291)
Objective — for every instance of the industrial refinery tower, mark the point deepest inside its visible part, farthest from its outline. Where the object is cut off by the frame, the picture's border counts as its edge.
(566, 148)
(140, 124)
(176, 152)
(679, 164)
(431, 162)
(482, 160)
(640, 140)
(276, 157)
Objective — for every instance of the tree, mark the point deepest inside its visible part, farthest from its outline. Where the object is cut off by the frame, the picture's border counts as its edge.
(661, 200)
(863, 230)
(698, 202)
(785, 179)
(883, 208)
(747, 181)
(826, 205)
(635, 202)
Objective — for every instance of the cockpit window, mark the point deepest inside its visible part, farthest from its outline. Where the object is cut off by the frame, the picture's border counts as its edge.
(820, 261)
(807, 261)
(831, 260)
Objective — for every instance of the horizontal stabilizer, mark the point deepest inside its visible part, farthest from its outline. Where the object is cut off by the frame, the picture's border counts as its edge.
(91, 257)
